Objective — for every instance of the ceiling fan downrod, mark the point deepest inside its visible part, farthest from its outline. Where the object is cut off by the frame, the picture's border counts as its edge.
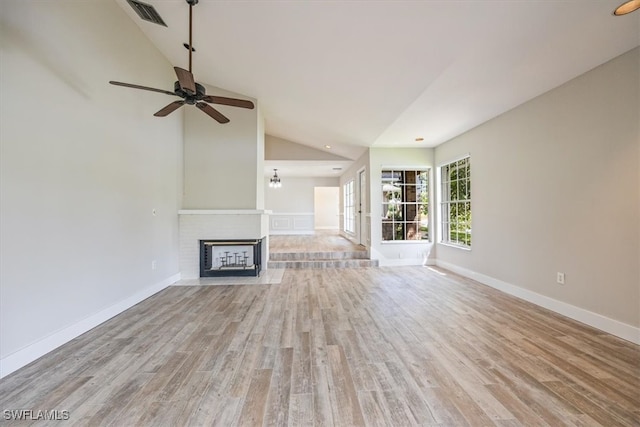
(191, 3)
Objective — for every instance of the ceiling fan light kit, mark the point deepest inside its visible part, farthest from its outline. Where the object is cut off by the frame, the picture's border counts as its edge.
(192, 93)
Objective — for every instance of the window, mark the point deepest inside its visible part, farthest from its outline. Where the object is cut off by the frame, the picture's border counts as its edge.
(405, 205)
(349, 208)
(456, 202)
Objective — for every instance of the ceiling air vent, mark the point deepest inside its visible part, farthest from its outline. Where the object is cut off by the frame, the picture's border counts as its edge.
(146, 12)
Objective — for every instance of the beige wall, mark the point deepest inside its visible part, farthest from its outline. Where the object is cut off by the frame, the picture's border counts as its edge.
(84, 164)
(556, 188)
(282, 149)
(221, 160)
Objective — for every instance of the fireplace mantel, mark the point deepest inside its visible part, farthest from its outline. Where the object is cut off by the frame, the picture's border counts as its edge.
(224, 212)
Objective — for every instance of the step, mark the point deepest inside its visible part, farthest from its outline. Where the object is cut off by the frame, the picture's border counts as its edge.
(324, 263)
(311, 256)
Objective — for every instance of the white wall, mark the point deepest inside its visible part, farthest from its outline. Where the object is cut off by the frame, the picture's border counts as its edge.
(295, 195)
(556, 188)
(292, 205)
(83, 165)
(221, 160)
(260, 157)
(326, 202)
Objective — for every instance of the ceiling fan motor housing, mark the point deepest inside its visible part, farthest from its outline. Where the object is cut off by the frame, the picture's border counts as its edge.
(190, 99)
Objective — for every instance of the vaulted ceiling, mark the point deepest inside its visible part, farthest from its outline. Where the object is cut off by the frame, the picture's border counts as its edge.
(357, 74)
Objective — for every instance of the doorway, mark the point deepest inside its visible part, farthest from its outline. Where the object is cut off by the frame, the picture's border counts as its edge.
(326, 208)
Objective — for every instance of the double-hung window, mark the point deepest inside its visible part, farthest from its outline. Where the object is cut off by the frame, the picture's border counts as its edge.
(455, 204)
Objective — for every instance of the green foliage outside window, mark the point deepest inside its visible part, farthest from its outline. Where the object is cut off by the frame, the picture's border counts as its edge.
(456, 203)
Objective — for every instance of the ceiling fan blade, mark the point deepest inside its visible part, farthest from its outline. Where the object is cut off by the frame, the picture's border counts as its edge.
(233, 102)
(142, 87)
(187, 83)
(169, 109)
(208, 109)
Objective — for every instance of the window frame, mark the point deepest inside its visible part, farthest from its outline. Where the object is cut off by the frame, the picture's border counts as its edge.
(405, 216)
(349, 204)
(458, 204)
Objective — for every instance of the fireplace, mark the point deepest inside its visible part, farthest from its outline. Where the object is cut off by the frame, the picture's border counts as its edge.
(230, 257)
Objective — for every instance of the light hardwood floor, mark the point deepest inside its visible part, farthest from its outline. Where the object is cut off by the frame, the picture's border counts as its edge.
(321, 241)
(345, 347)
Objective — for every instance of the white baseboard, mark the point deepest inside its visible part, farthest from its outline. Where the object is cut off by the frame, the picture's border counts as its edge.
(39, 348)
(598, 321)
(395, 262)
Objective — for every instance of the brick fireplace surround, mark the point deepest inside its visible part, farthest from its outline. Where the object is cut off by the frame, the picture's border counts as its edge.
(196, 225)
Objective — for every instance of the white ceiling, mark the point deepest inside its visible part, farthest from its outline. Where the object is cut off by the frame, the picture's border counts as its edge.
(306, 168)
(355, 74)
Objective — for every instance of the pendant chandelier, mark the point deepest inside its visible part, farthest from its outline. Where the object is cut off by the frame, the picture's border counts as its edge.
(274, 182)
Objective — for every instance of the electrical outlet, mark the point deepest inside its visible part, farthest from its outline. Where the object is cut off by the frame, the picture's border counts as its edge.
(560, 278)
(154, 264)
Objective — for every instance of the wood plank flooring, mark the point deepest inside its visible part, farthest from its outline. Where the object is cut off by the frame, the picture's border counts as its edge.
(321, 241)
(400, 346)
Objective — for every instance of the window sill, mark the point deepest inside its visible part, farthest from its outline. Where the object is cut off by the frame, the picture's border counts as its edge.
(410, 242)
(451, 245)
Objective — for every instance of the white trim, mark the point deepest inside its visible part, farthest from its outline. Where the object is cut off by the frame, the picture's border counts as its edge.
(405, 242)
(439, 237)
(349, 236)
(293, 213)
(358, 215)
(455, 159)
(302, 222)
(598, 321)
(39, 348)
(397, 262)
(405, 167)
(452, 245)
(224, 212)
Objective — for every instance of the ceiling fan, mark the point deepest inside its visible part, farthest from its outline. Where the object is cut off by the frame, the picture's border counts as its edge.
(192, 93)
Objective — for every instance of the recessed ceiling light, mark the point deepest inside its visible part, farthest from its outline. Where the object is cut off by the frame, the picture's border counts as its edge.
(419, 139)
(627, 7)
(327, 146)
(337, 169)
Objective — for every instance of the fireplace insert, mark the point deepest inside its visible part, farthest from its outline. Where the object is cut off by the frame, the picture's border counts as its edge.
(230, 257)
